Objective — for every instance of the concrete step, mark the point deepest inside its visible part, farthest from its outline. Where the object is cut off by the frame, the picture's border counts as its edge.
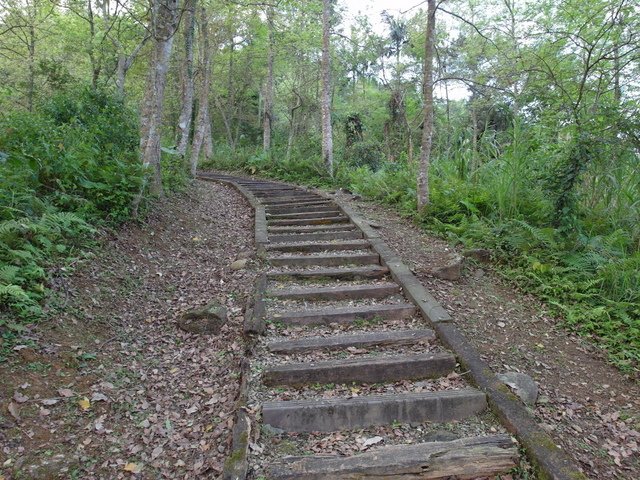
(318, 236)
(472, 457)
(326, 316)
(336, 292)
(358, 340)
(308, 221)
(330, 415)
(328, 260)
(319, 247)
(327, 212)
(370, 369)
(351, 273)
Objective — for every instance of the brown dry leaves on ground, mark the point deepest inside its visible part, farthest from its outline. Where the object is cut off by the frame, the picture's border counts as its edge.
(590, 408)
(113, 388)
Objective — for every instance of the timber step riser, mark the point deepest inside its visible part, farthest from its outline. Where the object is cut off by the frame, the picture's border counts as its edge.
(314, 202)
(359, 273)
(362, 340)
(333, 293)
(277, 210)
(361, 370)
(368, 411)
(475, 457)
(308, 221)
(346, 315)
(299, 199)
(315, 228)
(325, 261)
(304, 237)
(320, 247)
(303, 215)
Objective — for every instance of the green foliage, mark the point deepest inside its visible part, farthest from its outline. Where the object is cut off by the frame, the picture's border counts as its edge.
(64, 168)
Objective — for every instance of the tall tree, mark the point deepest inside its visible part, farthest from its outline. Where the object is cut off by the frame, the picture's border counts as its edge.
(203, 124)
(427, 113)
(325, 99)
(268, 88)
(186, 73)
(164, 22)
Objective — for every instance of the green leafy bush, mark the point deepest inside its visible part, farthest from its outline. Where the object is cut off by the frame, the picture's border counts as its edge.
(68, 166)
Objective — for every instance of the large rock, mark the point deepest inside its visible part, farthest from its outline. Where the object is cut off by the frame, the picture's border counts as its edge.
(204, 321)
(522, 385)
(239, 264)
(452, 270)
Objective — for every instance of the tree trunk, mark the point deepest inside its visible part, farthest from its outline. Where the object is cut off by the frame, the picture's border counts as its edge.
(208, 138)
(427, 89)
(325, 101)
(268, 90)
(184, 122)
(202, 120)
(164, 20)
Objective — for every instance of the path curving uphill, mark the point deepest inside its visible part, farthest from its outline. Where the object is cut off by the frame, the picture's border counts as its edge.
(347, 346)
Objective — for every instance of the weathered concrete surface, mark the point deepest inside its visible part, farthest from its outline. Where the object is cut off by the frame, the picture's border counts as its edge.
(380, 369)
(347, 413)
(358, 340)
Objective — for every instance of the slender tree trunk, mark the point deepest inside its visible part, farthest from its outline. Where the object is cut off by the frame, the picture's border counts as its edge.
(164, 18)
(186, 113)
(325, 101)
(427, 89)
(267, 123)
(202, 120)
(31, 87)
(208, 138)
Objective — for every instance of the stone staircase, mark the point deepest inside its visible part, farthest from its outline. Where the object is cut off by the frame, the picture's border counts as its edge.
(336, 322)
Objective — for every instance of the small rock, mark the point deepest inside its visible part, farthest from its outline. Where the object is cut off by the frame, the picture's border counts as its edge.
(239, 264)
(271, 430)
(452, 271)
(522, 385)
(502, 324)
(479, 255)
(204, 321)
(372, 441)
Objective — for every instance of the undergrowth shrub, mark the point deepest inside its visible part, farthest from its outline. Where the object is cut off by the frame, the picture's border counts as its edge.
(65, 168)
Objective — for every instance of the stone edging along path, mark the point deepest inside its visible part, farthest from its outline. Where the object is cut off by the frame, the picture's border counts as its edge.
(297, 213)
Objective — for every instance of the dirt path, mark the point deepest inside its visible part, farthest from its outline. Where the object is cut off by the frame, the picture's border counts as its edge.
(110, 386)
(589, 407)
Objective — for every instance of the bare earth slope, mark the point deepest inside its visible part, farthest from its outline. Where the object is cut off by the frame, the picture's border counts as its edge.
(112, 387)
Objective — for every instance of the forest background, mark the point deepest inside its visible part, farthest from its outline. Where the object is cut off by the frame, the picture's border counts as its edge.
(105, 105)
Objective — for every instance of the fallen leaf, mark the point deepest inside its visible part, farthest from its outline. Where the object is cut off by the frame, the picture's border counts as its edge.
(49, 401)
(65, 392)
(133, 467)
(156, 452)
(19, 397)
(99, 397)
(372, 441)
(84, 403)
(14, 410)
(44, 412)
